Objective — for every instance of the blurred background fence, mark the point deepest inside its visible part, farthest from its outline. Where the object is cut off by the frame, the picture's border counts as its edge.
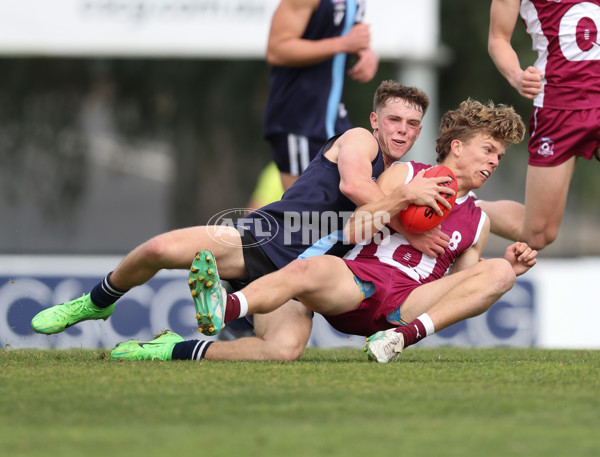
(125, 118)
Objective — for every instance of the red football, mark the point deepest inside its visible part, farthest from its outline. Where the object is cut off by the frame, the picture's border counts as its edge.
(419, 219)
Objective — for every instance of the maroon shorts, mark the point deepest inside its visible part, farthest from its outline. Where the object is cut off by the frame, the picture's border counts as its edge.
(558, 135)
(381, 310)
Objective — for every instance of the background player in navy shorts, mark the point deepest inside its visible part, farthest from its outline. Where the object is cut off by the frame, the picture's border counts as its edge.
(386, 286)
(564, 84)
(309, 44)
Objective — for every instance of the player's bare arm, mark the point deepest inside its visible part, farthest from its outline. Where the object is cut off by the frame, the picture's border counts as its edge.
(286, 47)
(503, 18)
(353, 152)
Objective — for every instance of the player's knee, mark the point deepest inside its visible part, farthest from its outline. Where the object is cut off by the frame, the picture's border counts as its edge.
(290, 352)
(502, 275)
(300, 270)
(540, 234)
(289, 349)
(155, 250)
(542, 239)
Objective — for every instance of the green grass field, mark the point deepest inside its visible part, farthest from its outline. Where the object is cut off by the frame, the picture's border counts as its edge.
(434, 402)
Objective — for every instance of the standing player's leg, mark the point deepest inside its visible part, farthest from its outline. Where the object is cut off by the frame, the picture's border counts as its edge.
(538, 221)
(545, 201)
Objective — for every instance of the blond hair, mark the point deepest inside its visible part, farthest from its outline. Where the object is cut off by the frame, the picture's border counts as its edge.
(501, 122)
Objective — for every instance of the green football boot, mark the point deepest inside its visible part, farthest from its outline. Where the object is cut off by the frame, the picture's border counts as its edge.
(60, 317)
(160, 348)
(384, 346)
(208, 293)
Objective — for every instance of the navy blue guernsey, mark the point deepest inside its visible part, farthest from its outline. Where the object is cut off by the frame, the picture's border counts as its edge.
(310, 217)
(307, 100)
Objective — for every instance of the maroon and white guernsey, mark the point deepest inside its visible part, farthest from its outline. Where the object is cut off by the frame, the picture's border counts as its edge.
(565, 34)
(463, 225)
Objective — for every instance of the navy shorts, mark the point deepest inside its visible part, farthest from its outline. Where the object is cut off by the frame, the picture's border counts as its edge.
(257, 262)
(292, 153)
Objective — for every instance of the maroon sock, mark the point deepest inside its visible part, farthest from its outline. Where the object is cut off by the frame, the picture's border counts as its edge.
(232, 308)
(413, 332)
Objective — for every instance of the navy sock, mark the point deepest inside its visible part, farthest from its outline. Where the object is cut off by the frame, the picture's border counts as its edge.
(105, 293)
(190, 350)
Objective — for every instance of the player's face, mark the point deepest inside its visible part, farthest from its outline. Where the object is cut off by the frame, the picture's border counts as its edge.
(478, 158)
(396, 126)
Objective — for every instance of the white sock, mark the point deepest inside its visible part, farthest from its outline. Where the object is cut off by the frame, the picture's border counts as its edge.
(427, 323)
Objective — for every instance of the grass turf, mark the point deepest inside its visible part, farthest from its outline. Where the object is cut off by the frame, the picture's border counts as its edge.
(434, 402)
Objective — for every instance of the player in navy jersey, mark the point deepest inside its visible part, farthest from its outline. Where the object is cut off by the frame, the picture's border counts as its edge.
(386, 286)
(564, 84)
(342, 178)
(309, 46)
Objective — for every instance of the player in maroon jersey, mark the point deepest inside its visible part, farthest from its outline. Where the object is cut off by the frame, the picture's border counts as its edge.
(386, 286)
(564, 84)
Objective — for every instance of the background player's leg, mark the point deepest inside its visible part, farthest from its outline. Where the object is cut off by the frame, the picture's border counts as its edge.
(538, 221)
(545, 200)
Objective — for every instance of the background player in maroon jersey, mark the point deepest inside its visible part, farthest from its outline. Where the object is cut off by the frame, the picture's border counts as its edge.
(564, 84)
(386, 286)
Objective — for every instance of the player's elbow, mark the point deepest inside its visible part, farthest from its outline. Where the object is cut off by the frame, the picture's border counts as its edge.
(272, 58)
(276, 57)
(494, 46)
(490, 48)
(349, 189)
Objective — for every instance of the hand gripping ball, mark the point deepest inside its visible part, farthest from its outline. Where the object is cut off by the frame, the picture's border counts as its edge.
(421, 218)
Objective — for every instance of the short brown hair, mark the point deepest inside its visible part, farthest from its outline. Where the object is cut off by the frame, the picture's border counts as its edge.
(392, 89)
(501, 122)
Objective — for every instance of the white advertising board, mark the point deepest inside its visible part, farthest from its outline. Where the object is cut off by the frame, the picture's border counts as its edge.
(556, 305)
(190, 28)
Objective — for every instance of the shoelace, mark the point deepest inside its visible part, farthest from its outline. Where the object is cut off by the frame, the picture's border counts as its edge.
(76, 307)
(390, 342)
